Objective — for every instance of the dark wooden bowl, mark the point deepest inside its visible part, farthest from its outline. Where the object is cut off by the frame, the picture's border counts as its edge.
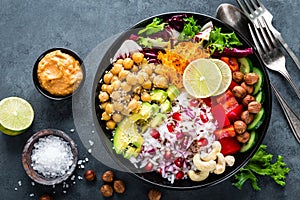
(26, 157)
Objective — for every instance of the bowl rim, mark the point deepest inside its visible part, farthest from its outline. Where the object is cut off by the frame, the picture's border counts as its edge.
(268, 103)
(35, 77)
(27, 150)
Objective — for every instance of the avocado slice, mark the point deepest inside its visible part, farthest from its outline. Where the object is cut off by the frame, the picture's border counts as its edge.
(157, 120)
(166, 106)
(173, 92)
(126, 134)
(158, 96)
(132, 152)
(145, 112)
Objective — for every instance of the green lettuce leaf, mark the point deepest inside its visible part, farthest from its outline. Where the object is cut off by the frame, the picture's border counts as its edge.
(153, 27)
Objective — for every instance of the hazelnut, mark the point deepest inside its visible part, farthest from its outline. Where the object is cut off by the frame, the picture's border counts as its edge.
(45, 197)
(238, 76)
(239, 126)
(254, 107)
(248, 88)
(108, 176)
(106, 190)
(248, 98)
(90, 175)
(247, 117)
(243, 138)
(239, 92)
(251, 78)
(119, 186)
(154, 194)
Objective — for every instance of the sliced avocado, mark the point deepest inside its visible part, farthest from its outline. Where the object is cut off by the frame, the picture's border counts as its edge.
(166, 106)
(131, 152)
(172, 92)
(126, 134)
(155, 108)
(158, 96)
(157, 120)
(145, 112)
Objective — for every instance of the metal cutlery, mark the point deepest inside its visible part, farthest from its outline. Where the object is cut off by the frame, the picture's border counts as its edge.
(254, 11)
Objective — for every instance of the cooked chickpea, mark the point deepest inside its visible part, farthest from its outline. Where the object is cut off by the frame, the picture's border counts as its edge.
(243, 138)
(137, 57)
(248, 88)
(115, 95)
(103, 96)
(147, 69)
(114, 78)
(140, 79)
(239, 126)
(247, 117)
(105, 116)
(138, 107)
(126, 87)
(131, 79)
(123, 74)
(118, 106)
(103, 105)
(116, 84)
(109, 108)
(147, 85)
(135, 68)
(145, 61)
(117, 117)
(115, 70)
(161, 81)
(128, 63)
(110, 124)
(107, 77)
(125, 112)
(120, 61)
(137, 89)
(247, 99)
(109, 89)
(146, 97)
(251, 78)
(132, 105)
(239, 92)
(254, 107)
(237, 76)
(136, 97)
(104, 87)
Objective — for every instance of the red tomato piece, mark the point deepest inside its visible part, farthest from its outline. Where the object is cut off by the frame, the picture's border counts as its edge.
(231, 62)
(228, 101)
(219, 115)
(232, 85)
(235, 114)
(227, 131)
(207, 101)
(229, 146)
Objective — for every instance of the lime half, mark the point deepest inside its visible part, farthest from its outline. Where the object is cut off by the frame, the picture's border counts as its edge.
(16, 115)
(226, 76)
(202, 78)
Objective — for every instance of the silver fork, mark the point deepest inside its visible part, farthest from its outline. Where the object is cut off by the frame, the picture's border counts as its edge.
(263, 38)
(270, 53)
(254, 11)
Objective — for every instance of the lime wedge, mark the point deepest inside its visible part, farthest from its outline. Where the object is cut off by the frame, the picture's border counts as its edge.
(16, 115)
(202, 78)
(226, 76)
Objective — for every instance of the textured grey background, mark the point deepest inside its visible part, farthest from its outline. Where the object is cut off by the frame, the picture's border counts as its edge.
(27, 28)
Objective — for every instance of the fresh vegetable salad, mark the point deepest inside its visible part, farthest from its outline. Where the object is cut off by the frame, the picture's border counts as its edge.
(184, 100)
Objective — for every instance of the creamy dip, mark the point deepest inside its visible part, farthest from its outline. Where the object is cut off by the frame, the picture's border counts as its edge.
(59, 73)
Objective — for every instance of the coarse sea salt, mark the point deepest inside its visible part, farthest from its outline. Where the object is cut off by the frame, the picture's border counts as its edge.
(51, 156)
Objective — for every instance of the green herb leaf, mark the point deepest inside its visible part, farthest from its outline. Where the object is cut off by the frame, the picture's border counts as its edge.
(260, 164)
(154, 27)
(190, 29)
(218, 41)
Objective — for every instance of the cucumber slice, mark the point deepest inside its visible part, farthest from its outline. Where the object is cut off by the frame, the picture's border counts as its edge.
(260, 97)
(257, 121)
(251, 142)
(245, 65)
(258, 85)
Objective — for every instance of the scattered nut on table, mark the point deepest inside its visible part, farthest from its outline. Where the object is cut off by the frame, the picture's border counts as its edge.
(45, 197)
(154, 194)
(119, 186)
(106, 190)
(108, 176)
(90, 175)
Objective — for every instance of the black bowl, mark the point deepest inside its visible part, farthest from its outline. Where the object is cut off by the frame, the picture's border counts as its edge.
(154, 177)
(35, 77)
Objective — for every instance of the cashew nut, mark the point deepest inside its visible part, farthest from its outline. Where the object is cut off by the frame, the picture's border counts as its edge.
(216, 148)
(220, 167)
(198, 176)
(229, 160)
(203, 165)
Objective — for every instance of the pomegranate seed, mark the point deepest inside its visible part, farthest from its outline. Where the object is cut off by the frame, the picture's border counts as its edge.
(179, 175)
(202, 142)
(167, 155)
(155, 134)
(170, 127)
(178, 162)
(203, 117)
(176, 116)
(159, 170)
(194, 102)
(149, 167)
(179, 135)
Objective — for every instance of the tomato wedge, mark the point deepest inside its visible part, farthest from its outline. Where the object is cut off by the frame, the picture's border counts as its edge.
(235, 114)
(231, 62)
(227, 131)
(229, 146)
(219, 115)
